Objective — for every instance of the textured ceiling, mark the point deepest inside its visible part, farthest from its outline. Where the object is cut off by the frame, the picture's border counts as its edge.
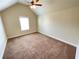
(48, 5)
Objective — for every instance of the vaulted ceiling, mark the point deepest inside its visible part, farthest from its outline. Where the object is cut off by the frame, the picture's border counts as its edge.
(6, 3)
(48, 5)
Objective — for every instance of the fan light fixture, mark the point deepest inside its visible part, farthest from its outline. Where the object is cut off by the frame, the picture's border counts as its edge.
(33, 6)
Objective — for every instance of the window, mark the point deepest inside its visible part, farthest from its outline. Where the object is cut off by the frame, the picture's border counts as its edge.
(24, 23)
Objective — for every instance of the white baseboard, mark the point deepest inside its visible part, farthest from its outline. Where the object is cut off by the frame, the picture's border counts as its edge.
(3, 49)
(16, 36)
(20, 35)
(77, 46)
(60, 40)
(77, 53)
(49, 36)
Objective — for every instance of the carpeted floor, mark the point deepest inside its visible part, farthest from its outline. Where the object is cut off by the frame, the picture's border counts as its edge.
(37, 46)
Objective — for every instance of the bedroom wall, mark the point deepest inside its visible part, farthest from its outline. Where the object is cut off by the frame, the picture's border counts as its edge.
(3, 38)
(61, 24)
(11, 20)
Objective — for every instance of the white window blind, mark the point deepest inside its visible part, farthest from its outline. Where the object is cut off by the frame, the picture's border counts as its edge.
(24, 23)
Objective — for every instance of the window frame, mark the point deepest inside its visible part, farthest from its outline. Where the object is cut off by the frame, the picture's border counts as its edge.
(21, 23)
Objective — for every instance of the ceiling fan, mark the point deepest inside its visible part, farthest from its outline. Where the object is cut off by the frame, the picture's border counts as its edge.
(34, 2)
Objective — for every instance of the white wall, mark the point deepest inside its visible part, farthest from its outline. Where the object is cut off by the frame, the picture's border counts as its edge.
(3, 39)
(62, 24)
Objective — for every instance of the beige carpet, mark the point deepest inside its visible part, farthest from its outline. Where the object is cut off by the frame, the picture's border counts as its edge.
(38, 46)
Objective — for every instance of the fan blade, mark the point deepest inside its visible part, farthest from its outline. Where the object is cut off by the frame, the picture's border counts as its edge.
(38, 4)
(34, 1)
(37, 0)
